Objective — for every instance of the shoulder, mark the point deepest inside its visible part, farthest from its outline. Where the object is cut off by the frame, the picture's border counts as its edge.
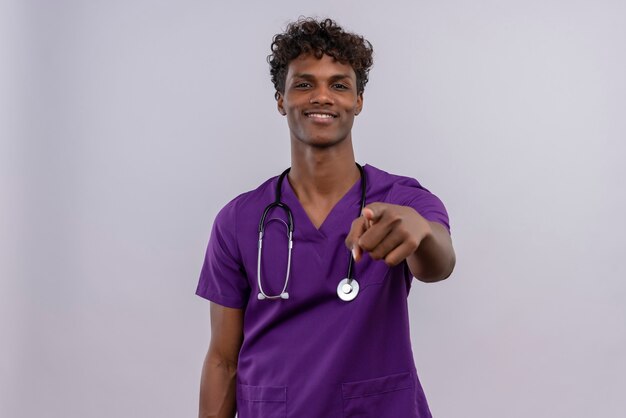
(388, 184)
(405, 191)
(247, 201)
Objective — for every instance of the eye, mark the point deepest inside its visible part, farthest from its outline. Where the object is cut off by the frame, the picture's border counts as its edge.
(340, 86)
(302, 85)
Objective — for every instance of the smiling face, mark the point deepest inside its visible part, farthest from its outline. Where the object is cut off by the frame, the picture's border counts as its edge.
(320, 100)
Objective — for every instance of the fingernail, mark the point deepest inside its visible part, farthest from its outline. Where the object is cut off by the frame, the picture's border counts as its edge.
(354, 253)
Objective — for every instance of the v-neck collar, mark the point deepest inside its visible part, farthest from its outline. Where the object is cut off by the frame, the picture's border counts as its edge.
(335, 222)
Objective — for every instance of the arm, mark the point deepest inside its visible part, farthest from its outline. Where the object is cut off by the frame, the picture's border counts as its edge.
(219, 372)
(395, 233)
(434, 259)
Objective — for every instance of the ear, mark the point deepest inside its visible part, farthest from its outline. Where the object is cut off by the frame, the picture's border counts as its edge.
(279, 103)
(359, 104)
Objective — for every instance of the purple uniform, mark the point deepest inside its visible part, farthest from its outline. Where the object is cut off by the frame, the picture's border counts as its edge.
(314, 355)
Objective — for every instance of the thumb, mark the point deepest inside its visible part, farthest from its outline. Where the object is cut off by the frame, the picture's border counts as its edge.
(359, 226)
(368, 213)
(373, 212)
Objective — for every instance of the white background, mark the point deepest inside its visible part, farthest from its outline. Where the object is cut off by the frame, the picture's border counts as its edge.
(126, 125)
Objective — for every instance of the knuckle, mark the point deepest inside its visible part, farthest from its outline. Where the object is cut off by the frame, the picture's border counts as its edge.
(391, 261)
(412, 242)
(395, 218)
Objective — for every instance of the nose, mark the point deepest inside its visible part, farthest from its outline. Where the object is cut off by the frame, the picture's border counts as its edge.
(321, 96)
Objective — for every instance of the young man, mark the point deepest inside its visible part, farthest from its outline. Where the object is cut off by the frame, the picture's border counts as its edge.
(319, 328)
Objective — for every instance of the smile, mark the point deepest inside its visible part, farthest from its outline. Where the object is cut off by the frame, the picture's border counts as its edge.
(317, 115)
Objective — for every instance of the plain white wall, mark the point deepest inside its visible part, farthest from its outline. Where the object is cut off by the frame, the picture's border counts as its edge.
(126, 125)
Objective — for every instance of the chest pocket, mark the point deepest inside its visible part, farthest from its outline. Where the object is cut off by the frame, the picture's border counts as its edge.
(389, 396)
(370, 272)
(261, 401)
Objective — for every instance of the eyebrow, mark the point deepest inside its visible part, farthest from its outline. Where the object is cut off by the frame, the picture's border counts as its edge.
(335, 77)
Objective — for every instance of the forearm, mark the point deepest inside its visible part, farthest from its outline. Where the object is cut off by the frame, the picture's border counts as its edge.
(218, 388)
(434, 259)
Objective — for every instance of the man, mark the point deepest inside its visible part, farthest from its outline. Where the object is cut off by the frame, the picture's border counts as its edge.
(306, 332)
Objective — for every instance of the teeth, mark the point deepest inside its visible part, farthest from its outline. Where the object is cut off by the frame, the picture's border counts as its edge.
(319, 115)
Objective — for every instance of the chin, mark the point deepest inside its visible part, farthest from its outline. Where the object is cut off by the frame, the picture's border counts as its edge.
(321, 142)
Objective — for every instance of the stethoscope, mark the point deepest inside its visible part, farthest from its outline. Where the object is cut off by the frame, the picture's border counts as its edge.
(347, 289)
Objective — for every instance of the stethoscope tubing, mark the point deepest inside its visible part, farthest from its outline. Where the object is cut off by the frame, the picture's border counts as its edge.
(349, 280)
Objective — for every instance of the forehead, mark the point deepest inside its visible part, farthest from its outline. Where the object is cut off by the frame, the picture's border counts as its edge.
(324, 67)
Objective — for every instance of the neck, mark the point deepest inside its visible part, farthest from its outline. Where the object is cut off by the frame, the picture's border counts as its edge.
(322, 173)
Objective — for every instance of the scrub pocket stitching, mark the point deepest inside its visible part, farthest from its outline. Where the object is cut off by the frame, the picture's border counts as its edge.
(388, 396)
(261, 401)
(386, 384)
(372, 280)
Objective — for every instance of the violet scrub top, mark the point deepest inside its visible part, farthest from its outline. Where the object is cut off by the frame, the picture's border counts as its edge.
(314, 355)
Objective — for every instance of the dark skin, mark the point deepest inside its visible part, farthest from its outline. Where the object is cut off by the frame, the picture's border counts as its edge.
(320, 102)
(219, 372)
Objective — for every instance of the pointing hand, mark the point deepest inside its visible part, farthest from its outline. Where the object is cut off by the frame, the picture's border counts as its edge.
(387, 232)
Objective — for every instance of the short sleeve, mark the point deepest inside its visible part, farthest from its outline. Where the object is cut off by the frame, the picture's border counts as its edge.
(222, 278)
(411, 193)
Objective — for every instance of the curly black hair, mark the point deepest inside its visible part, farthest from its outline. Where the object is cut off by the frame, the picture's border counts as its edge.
(310, 36)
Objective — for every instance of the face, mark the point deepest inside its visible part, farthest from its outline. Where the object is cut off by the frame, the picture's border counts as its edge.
(320, 100)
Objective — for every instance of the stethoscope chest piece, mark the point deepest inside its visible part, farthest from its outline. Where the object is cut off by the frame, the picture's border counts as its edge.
(347, 289)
